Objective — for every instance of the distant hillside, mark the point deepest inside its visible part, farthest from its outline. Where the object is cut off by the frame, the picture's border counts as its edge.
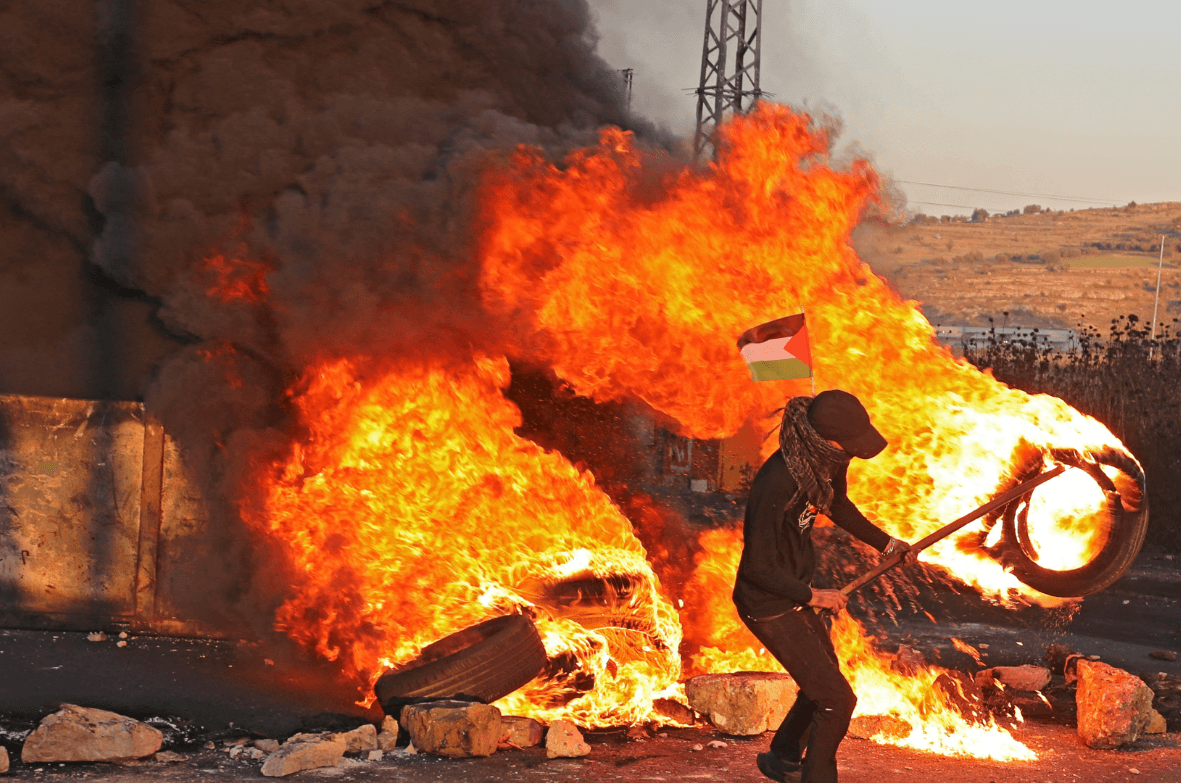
(1045, 268)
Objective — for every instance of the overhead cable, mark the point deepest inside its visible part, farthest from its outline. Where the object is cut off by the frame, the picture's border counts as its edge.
(1008, 193)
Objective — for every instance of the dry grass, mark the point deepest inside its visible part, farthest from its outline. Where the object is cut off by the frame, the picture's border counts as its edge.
(1054, 268)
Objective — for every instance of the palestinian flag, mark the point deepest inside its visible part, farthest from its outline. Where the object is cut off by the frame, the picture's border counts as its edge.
(777, 350)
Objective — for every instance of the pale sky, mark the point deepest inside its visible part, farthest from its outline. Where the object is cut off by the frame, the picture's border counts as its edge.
(1079, 99)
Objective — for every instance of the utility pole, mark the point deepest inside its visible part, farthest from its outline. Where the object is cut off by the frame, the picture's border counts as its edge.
(729, 66)
(627, 74)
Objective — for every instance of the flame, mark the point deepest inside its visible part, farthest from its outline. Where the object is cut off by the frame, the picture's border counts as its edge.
(632, 283)
(411, 510)
(916, 698)
(964, 647)
(234, 279)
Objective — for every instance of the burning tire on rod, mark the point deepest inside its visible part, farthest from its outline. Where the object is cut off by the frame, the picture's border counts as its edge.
(1110, 532)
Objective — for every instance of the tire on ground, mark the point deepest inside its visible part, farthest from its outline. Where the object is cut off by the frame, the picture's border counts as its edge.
(481, 663)
(1129, 523)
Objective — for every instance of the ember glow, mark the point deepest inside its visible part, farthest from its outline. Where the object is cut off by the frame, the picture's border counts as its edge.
(411, 509)
(234, 279)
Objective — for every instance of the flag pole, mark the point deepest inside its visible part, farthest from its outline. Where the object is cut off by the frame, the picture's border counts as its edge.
(812, 356)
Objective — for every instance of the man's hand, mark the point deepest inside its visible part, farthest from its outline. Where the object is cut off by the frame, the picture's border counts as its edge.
(898, 546)
(828, 600)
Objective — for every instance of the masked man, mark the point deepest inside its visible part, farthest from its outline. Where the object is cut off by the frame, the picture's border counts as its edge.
(773, 591)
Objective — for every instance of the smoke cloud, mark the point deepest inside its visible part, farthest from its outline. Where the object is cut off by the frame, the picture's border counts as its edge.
(285, 180)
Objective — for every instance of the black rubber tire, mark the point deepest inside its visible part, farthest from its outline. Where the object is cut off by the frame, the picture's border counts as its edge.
(481, 663)
(1124, 540)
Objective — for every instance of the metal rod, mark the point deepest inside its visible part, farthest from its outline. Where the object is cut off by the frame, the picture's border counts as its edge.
(1000, 501)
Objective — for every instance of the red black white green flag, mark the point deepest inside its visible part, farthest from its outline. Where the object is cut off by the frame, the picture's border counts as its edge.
(777, 350)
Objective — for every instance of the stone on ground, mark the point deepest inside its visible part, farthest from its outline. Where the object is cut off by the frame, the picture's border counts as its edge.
(1114, 707)
(3, 760)
(1023, 678)
(743, 703)
(387, 738)
(267, 745)
(305, 751)
(456, 729)
(564, 741)
(387, 741)
(1056, 655)
(361, 739)
(522, 732)
(1156, 724)
(82, 734)
(674, 711)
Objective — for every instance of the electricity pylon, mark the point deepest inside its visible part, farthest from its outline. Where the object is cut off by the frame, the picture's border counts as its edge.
(627, 74)
(729, 65)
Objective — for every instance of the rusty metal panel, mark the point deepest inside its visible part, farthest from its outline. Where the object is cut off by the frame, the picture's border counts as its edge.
(70, 492)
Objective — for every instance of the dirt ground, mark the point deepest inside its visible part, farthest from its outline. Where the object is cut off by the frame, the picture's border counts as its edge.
(1062, 757)
(214, 690)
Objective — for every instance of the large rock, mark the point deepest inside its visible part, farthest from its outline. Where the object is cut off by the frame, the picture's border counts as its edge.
(82, 734)
(3, 759)
(564, 741)
(522, 732)
(305, 751)
(456, 729)
(1114, 707)
(744, 703)
(361, 739)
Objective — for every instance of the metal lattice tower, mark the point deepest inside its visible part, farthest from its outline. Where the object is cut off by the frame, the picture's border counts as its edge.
(729, 65)
(627, 74)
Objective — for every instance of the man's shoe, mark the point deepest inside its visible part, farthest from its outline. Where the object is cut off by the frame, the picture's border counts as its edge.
(775, 766)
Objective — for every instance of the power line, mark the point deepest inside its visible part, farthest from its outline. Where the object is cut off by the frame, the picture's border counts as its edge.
(1006, 193)
(939, 204)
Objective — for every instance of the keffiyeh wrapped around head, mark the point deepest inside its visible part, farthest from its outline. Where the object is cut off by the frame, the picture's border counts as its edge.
(811, 460)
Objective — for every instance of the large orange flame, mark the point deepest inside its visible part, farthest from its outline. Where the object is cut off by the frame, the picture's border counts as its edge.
(633, 285)
(411, 509)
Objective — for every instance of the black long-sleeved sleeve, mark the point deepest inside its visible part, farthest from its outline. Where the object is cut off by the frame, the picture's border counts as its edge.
(847, 516)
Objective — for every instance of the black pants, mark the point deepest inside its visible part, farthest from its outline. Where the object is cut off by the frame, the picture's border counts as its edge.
(817, 723)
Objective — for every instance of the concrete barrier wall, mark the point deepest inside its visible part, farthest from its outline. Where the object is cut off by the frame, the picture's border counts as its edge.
(97, 510)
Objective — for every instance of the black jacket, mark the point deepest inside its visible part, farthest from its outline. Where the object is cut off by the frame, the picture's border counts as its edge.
(777, 556)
